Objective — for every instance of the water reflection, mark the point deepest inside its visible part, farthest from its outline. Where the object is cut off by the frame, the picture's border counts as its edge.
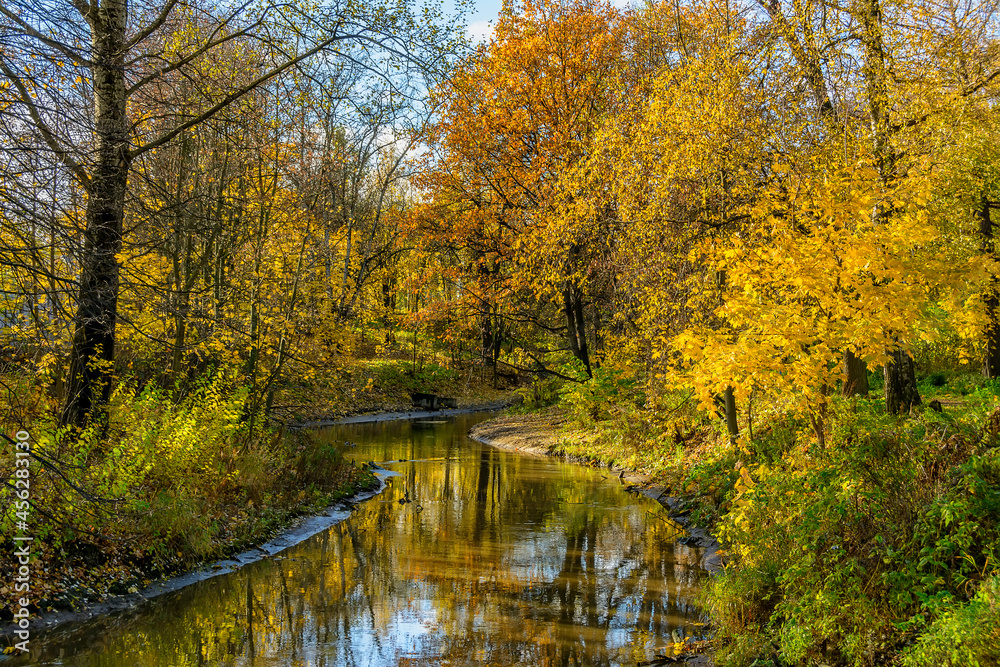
(471, 556)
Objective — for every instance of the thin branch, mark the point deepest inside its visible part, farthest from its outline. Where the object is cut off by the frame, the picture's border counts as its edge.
(64, 49)
(152, 27)
(209, 44)
(43, 128)
(232, 97)
(85, 8)
(971, 90)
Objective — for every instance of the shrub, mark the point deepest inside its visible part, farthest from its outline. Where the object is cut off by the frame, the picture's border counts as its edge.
(838, 552)
(610, 393)
(542, 393)
(963, 635)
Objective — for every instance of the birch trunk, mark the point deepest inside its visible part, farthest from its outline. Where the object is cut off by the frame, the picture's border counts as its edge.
(93, 352)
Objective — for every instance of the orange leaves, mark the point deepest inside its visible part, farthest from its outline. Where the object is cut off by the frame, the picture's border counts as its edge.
(505, 183)
(524, 106)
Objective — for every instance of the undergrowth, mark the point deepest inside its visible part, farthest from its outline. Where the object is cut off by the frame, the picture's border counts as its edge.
(164, 483)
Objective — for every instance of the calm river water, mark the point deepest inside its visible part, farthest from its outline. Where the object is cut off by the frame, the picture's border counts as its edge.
(491, 558)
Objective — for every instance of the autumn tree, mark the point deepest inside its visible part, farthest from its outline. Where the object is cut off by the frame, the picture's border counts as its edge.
(517, 116)
(687, 164)
(78, 73)
(917, 60)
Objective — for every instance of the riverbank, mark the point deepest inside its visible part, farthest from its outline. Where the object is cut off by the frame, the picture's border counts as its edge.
(865, 538)
(295, 529)
(546, 433)
(397, 412)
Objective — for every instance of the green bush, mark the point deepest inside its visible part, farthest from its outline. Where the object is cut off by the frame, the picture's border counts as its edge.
(316, 461)
(542, 393)
(841, 553)
(611, 392)
(961, 383)
(963, 635)
(175, 522)
(955, 538)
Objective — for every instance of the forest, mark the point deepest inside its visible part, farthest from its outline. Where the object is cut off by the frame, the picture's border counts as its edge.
(747, 246)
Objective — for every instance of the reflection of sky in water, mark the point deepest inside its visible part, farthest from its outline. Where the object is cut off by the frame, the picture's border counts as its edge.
(409, 630)
(496, 559)
(529, 557)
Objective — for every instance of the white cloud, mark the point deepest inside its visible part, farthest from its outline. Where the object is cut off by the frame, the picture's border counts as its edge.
(480, 31)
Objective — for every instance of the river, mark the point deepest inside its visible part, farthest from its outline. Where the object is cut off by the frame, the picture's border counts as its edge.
(471, 556)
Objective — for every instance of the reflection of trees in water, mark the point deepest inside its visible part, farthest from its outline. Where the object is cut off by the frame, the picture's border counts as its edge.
(523, 561)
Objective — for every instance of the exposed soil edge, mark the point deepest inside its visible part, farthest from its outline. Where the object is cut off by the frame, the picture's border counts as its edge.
(299, 530)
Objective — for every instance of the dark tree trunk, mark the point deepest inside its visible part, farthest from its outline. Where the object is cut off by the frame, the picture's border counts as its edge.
(93, 351)
(389, 287)
(180, 335)
(855, 375)
(991, 356)
(576, 325)
(491, 337)
(731, 425)
(900, 380)
(900, 383)
(598, 336)
(486, 339)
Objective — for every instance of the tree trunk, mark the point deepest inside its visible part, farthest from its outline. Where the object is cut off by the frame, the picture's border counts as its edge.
(274, 379)
(491, 334)
(900, 386)
(900, 379)
(184, 281)
(598, 328)
(731, 425)
(855, 375)
(576, 325)
(180, 334)
(991, 356)
(342, 306)
(93, 352)
(389, 287)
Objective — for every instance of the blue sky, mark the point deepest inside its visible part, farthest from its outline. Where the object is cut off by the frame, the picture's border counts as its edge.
(486, 13)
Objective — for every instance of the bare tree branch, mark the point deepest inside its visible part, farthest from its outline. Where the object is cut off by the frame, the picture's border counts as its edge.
(50, 138)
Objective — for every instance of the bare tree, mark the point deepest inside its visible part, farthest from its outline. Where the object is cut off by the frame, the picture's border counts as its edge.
(78, 72)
